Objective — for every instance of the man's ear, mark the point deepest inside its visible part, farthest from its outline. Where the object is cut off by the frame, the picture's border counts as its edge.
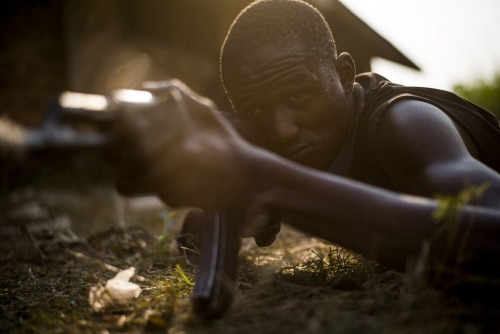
(347, 71)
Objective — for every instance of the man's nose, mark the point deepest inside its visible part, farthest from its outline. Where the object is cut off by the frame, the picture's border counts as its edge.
(284, 125)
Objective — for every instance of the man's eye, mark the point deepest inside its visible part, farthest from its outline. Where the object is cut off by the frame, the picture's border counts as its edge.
(298, 97)
(254, 112)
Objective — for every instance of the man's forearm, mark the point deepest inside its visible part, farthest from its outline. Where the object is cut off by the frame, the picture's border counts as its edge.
(366, 219)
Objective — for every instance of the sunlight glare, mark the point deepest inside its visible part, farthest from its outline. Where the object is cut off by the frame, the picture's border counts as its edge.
(71, 100)
(133, 96)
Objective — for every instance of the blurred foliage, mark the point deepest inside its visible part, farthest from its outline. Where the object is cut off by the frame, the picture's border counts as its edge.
(484, 93)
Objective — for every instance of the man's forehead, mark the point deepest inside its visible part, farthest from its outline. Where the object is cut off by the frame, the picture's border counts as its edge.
(260, 56)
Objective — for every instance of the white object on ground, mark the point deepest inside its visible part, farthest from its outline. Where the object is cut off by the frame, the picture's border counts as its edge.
(117, 291)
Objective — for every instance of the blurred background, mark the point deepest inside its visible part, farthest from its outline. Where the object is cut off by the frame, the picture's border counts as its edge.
(47, 46)
(453, 41)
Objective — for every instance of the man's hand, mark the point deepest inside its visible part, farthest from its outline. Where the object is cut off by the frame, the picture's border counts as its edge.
(178, 148)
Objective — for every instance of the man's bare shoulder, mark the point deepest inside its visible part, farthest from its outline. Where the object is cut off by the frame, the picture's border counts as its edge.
(421, 150)
(420, 132)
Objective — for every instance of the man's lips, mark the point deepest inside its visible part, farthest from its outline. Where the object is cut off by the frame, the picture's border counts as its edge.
(297, 151)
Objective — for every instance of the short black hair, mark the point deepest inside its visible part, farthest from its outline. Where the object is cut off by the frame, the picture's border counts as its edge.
(270, 20)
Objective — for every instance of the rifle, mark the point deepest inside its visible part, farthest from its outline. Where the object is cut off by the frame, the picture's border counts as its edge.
(78, 124)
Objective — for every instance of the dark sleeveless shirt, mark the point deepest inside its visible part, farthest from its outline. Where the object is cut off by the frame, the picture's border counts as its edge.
(481, 125)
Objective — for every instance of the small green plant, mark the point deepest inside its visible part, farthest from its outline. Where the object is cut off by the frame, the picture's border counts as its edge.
(321, 270)
(450, 207)
(448, 215)
(183, 275)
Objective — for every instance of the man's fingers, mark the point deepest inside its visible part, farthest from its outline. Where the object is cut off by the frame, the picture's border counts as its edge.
(263, 228)
(267, 236)
(259, 222)
(158, 87)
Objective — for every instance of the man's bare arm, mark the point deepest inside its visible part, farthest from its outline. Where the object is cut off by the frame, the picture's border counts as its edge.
(423, 154)
(372, 221)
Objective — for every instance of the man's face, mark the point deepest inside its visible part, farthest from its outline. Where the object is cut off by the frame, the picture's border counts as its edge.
(300, 103)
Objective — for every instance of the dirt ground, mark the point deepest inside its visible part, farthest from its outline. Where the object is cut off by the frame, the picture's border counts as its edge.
(298, 285)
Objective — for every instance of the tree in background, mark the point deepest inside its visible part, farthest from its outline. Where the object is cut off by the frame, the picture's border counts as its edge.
(484, 93)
